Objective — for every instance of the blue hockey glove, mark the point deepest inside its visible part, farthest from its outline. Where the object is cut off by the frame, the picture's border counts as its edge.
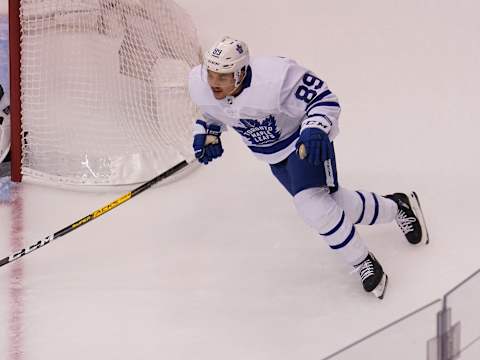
(315, 141)
(206, 142)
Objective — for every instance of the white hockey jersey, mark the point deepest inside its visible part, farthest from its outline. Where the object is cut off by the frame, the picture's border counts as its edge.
(278, 95)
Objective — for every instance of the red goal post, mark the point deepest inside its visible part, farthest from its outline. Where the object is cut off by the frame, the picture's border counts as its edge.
(99, 89)
(15, 107)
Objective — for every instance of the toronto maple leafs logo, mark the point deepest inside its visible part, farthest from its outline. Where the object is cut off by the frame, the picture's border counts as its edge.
(259, 133)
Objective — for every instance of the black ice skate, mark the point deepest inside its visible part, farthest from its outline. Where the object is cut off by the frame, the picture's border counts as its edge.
(374, 280)
(410, 217)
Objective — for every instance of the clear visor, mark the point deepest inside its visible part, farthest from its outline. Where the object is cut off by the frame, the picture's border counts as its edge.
(215, 79)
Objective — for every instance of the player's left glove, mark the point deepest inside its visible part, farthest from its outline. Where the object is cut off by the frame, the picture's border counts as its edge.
(206, 142)
(313, 144)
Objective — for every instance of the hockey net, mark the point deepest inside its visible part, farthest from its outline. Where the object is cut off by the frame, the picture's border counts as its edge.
(104, 98)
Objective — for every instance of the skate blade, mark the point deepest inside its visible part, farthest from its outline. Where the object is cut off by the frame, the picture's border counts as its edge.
(417, 209)
(379, 291)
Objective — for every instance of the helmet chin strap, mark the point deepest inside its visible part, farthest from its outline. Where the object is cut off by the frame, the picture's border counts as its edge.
(237, 75)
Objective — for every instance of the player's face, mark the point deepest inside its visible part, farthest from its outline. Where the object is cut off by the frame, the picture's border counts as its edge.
(222, 85)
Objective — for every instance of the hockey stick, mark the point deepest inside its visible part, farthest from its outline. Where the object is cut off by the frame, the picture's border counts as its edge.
(93, 215)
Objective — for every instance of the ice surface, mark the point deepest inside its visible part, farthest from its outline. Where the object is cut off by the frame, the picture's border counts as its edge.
(218, 265)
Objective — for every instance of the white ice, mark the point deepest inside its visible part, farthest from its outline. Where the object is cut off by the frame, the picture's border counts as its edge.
(218, 265)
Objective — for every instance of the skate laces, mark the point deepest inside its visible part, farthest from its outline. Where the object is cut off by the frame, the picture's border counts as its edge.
(405, 222)
(365, 269)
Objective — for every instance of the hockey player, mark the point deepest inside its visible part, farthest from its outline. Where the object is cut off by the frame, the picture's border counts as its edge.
(288, 118)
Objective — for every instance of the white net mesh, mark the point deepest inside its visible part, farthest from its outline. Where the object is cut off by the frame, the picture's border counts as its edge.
(104, 89)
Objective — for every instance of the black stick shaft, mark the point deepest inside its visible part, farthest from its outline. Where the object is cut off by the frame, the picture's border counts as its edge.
(95, 214)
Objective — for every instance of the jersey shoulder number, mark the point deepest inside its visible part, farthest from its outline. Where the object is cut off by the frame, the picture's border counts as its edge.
(309, 88)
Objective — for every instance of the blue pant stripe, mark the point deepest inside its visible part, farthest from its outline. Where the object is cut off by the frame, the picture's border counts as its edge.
(335, 229)
(375, 214)
(347, 240)
(363, 207)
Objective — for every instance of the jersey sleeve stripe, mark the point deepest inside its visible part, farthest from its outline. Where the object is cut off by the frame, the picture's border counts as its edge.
(317, 99)
(322, 116)
(324, 103)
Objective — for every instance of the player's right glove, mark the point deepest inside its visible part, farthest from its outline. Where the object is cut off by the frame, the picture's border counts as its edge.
(313, 144)
(206, 142)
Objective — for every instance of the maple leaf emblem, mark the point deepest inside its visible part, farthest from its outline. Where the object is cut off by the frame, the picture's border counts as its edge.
(259, 133)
